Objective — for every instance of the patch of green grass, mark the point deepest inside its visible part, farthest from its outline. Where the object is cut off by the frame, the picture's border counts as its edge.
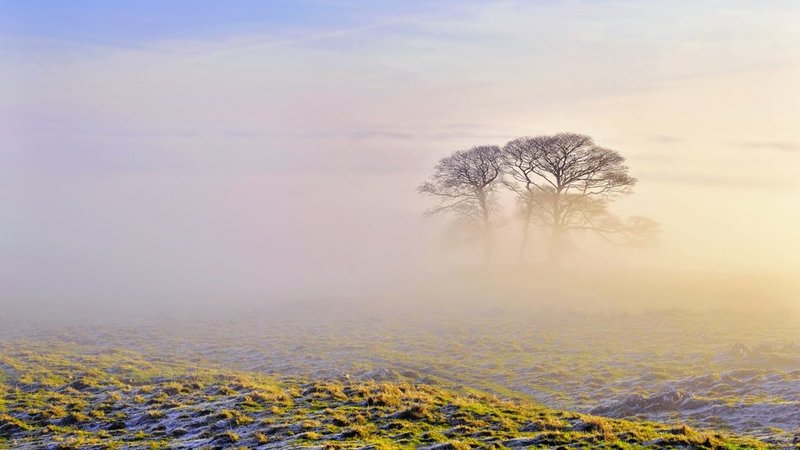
(92, 408)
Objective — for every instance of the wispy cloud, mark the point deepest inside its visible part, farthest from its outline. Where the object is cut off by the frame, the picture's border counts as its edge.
(665, 139)
(783, 146)
(712, 180)
(289, 41)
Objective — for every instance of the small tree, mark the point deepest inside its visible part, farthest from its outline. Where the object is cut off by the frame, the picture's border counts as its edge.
(465, 183)
(566, 183)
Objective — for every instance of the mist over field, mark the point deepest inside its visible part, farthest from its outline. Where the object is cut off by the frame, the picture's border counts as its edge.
(158, 166)
(443, 225)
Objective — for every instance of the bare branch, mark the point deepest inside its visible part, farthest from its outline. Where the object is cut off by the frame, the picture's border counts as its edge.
(466, 183)
(566, 183)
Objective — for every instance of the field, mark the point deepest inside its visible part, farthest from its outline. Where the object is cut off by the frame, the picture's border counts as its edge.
(344, 377)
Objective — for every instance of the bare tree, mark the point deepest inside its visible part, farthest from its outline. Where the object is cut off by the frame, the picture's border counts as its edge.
(521, 157)
(565, 183)
(465, 183)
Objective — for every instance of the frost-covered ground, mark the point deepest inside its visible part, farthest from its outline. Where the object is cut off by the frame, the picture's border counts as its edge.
(70, 397)
(714, 370)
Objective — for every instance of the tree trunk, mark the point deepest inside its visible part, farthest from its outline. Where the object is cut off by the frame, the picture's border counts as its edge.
(526, 227)
(487, 230)
(556, 246)
(557, 238)
(487, 237)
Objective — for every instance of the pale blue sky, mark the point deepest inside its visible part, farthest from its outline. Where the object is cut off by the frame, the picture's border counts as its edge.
(140, 22)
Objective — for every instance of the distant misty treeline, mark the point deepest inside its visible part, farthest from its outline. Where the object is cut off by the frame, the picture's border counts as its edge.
(564, 184)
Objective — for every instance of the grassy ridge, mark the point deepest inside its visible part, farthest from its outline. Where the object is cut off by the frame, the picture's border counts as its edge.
(80, 397)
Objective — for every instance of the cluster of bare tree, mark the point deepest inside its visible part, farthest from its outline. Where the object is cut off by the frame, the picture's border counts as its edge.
(563, 183)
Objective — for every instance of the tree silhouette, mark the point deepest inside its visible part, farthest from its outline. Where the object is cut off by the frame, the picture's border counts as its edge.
(465, 183)
(565, 183)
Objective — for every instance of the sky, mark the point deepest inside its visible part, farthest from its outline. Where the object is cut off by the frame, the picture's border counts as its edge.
(246, 149)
